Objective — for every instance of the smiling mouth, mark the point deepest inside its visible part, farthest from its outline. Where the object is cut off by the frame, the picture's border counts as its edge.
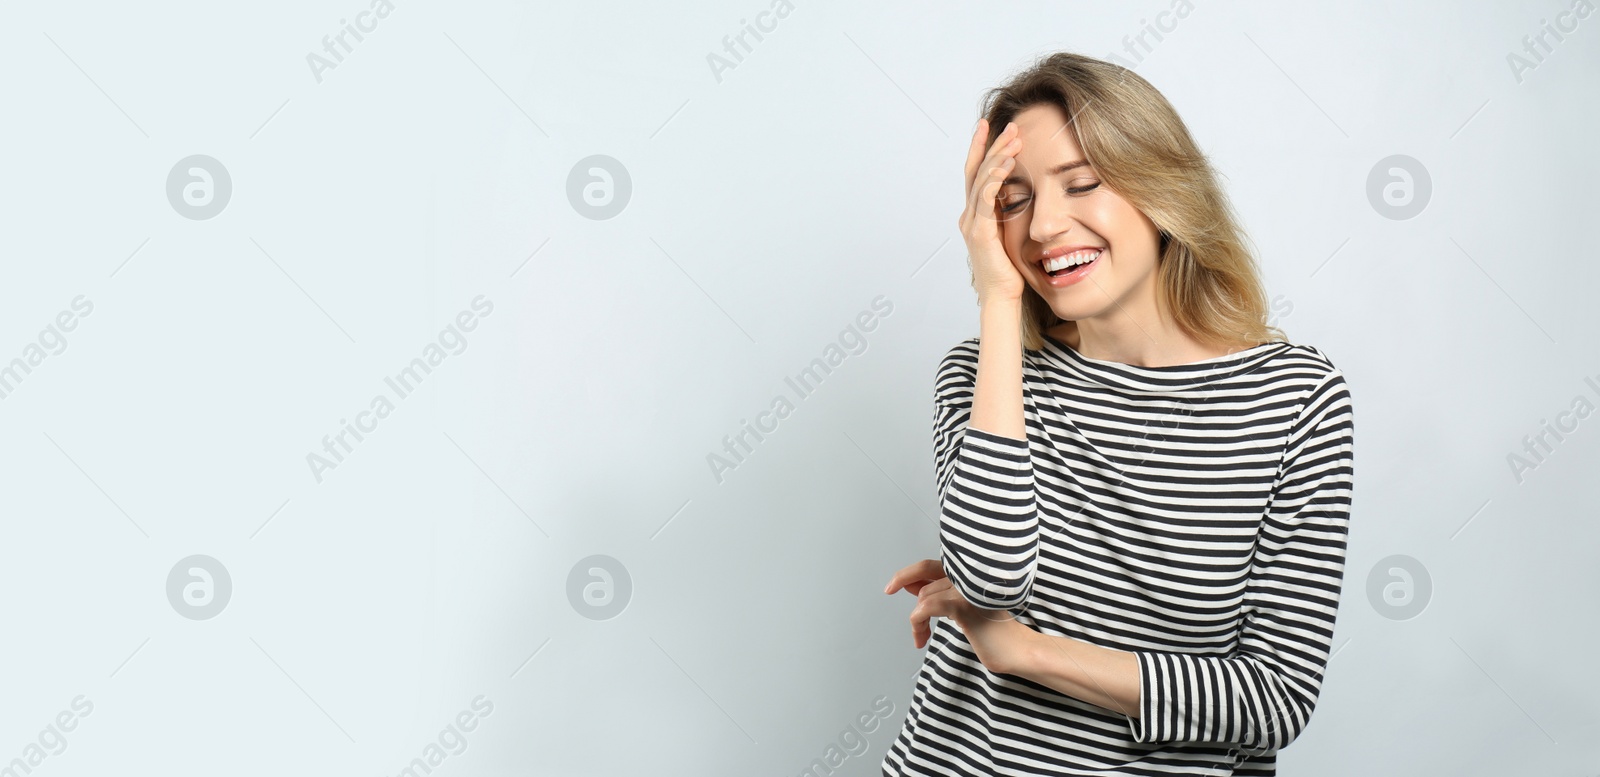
(1064, 268)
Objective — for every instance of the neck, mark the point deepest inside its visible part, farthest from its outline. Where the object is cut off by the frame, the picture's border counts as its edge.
(1139, 341)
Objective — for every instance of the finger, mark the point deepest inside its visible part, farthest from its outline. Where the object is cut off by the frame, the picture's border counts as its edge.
(897, 581)
(920, 628)
(983, 195)
(937, 597)
(915, 574)
(997, 167)
(913, 586)
(933, 587)
(921, 585)
(975, 153)
(902, 576)
(929, 569)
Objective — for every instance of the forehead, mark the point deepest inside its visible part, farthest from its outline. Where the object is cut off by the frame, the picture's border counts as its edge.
(1048, 139)
(1047, 128)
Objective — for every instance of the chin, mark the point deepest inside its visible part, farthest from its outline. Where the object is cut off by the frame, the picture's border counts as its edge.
(1075, 313)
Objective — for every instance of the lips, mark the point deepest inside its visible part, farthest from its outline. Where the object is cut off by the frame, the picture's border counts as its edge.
(1071, 254)
(1075, 274)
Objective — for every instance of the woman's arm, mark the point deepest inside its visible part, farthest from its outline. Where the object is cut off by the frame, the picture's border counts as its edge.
(997, 400)
(1261, 695)
(988, 509)
(1102, 676)
(988, 517)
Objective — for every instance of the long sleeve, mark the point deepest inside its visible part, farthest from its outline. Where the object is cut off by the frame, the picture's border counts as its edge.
(988, 511)
(1260, 696)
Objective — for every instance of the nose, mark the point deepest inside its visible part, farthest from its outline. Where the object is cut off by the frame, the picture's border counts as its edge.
(1052, 215)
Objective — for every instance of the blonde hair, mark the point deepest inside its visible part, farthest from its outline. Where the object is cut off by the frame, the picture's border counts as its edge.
(1140, 148)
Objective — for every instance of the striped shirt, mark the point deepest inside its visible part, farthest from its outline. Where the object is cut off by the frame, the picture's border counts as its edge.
(1194, 515)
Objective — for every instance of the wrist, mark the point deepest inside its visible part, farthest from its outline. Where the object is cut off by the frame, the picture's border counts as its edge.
(1025, 659)
(1000, 315)
(1000, 302)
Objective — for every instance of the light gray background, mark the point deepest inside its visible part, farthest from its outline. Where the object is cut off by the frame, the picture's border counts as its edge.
(768, 209)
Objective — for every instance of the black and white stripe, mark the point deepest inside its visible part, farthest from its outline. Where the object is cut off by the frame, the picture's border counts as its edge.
(1195, 515)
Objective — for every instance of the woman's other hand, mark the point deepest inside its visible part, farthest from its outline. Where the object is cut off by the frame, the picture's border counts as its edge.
(1000, 641)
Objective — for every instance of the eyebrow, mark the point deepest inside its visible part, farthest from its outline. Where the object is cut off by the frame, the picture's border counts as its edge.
(1057, 170)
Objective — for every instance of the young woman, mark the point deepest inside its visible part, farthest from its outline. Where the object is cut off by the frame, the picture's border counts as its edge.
(1144, 488)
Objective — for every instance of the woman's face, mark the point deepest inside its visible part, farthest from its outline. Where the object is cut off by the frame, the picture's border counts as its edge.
(1048, 204)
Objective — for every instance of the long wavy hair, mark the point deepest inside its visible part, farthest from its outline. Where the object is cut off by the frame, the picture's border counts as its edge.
(1208, 279)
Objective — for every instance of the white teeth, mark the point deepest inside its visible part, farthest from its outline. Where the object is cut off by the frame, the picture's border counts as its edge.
(1070, 260)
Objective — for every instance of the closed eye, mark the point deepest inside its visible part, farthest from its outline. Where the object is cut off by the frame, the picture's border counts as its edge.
(1072, 190)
